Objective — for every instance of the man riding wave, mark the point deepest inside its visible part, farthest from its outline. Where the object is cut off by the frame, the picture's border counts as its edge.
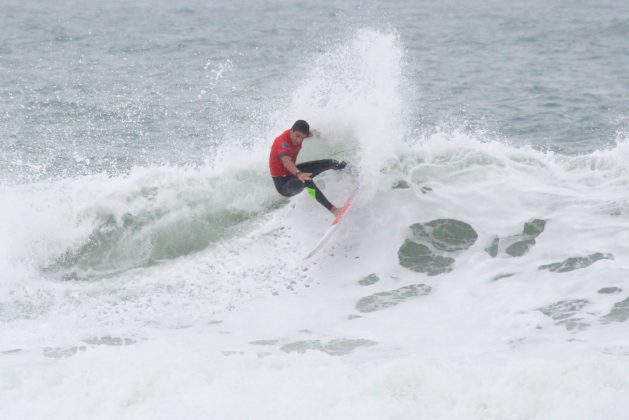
(291, 178)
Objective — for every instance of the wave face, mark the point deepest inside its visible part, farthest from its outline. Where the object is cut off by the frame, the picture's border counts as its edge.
(474, 277)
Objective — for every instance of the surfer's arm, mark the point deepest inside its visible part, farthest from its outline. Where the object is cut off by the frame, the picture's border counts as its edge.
(293, 169)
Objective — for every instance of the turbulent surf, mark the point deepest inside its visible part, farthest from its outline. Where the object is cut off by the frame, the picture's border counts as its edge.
(150, 269)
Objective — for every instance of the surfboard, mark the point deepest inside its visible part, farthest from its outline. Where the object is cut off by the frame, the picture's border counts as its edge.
(326, 237)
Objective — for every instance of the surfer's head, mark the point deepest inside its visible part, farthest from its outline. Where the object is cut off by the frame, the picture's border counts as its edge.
(299, 131)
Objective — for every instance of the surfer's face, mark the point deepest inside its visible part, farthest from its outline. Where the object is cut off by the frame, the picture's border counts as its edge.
(297, 137)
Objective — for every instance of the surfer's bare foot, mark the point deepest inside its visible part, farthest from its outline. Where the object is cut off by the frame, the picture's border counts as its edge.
(335, 211)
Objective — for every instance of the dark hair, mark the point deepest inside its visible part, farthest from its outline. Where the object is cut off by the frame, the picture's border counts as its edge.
(303, 126)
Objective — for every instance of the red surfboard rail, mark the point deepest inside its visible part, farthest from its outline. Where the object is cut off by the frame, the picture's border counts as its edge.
(346, 207)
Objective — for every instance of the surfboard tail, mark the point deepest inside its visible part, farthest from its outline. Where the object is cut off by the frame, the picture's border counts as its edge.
(328, 234)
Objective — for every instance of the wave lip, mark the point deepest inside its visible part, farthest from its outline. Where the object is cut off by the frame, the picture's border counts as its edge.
(104, 226)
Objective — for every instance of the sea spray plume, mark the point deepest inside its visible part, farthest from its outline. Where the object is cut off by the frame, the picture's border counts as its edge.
(354, 93)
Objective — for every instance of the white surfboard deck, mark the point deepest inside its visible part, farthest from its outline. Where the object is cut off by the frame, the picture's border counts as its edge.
(326, 237)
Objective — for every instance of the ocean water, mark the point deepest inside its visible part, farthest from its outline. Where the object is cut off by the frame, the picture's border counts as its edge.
(148, 268)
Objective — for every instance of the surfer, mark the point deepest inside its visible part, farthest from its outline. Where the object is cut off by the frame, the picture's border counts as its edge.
(291, 178)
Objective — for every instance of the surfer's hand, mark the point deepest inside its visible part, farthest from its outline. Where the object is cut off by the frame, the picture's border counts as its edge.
(304, 176)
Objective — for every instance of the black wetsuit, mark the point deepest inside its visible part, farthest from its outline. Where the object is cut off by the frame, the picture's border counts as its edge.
(289, 186)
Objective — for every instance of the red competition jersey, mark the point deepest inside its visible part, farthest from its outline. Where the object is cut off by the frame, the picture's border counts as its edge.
(282, 146)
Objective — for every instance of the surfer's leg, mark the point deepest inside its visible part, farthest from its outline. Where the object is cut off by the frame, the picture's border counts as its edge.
(288, 186)
(316, 193)
(315, 167)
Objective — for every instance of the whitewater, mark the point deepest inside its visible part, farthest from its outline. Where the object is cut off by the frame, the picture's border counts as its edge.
(474, 278)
